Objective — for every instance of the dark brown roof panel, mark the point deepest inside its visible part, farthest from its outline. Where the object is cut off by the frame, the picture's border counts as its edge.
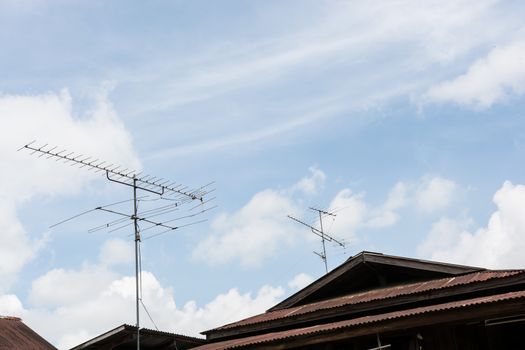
(124, 337)
(15, 335)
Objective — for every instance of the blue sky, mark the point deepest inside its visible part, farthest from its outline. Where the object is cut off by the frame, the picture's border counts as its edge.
(406, 117)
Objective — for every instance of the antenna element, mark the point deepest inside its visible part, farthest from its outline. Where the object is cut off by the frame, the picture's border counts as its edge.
(320, 232)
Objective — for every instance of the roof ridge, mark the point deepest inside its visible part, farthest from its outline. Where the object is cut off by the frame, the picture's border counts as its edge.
(10, 318)
(163, 332)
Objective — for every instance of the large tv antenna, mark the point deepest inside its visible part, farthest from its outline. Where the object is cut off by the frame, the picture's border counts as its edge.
(167, 190)
(320, 232)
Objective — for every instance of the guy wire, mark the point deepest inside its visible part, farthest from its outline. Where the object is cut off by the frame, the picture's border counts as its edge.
(140, 287)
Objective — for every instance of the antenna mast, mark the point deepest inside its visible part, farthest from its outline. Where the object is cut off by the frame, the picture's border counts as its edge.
(320, 232)
(124, 176)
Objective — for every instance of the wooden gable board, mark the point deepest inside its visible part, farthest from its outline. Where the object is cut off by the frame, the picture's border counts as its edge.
(369, 270)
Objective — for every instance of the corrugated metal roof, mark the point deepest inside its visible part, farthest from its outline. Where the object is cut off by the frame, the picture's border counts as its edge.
(357, 322)
(149, 338)
(373, 295)
(15, 335)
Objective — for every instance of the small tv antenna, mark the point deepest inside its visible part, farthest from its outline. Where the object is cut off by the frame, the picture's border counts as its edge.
(163, 189)
(320, 232)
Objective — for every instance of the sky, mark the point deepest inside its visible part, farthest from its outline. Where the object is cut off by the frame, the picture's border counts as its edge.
(405, 118)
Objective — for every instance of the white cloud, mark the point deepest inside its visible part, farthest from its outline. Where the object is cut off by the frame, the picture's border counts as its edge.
(68, 307)
(428, 194)
(354, 214)
(111, 302)
(434, 193)
(10, 305)
(397, 197)
(17, 247)
(75, 285)
(387, 215)
(48, 118)
(300, 281)
(257, 230)
(116, 251)
(225, 308)
(312, 184)
(443, 234)
(351, 211)
(262, 222)
(498, 245)
(488, 80)
(108, 304)
(251, 234)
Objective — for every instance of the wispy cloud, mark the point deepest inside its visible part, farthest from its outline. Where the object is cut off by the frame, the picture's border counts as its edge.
(249, 136)
(345, 35)
(352, 55)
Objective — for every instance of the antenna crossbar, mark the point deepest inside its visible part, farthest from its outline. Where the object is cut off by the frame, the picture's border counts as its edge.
(138, 218)
(322, 211)
(318, 232)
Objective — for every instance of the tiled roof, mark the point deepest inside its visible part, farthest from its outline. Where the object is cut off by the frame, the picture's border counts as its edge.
(15, 335)
(358, 322)
(374, 295)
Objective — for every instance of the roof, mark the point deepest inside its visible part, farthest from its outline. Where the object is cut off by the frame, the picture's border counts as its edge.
(501, 303)
(482, 279)
(124, 336)
(368, 270)
(16, 335)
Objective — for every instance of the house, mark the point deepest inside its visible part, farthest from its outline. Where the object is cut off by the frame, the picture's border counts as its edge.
(16, 335)
(125, 337)
(371, 301)
(377, 301)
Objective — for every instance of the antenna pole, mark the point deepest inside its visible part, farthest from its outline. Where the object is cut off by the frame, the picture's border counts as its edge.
(137, 240)
(323, 239)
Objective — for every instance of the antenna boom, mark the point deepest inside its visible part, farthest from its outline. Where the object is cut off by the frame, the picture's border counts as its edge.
(95, 164)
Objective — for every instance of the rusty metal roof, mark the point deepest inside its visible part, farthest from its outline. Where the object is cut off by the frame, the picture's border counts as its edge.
(16, 335)
(358, 322)
(124, 337)
(373, 295)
